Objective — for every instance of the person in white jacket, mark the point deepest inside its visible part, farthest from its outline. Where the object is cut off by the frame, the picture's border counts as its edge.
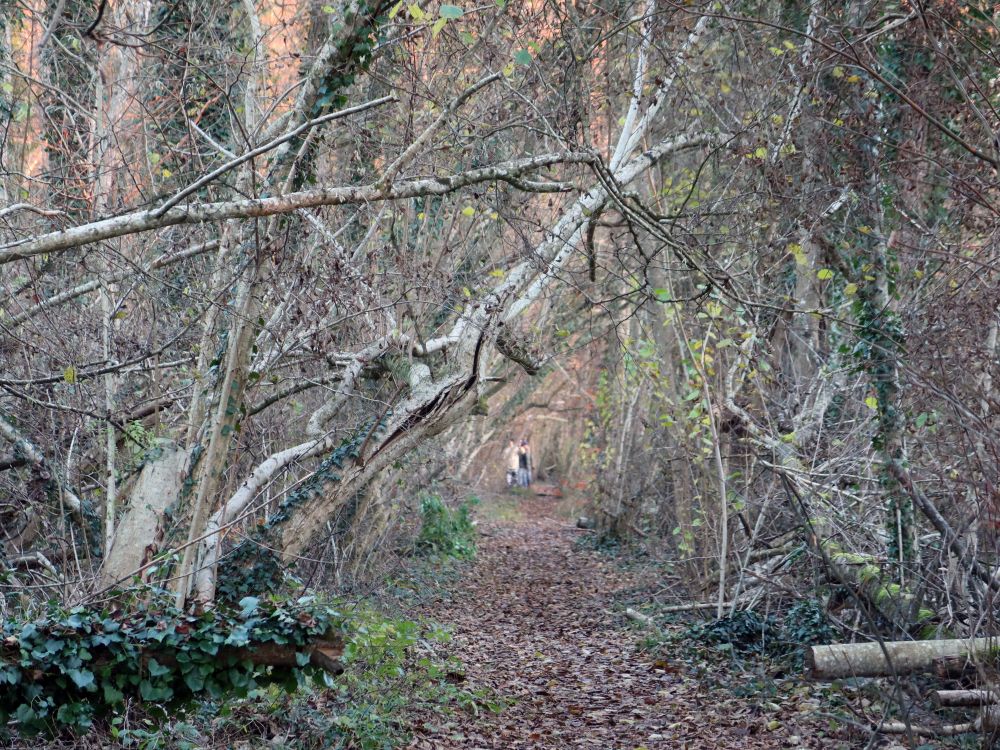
(512, 462)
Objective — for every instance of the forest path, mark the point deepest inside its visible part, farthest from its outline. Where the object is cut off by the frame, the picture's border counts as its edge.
(532, 622)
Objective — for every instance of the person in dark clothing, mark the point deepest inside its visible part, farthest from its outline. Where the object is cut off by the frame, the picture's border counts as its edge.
(524, 464)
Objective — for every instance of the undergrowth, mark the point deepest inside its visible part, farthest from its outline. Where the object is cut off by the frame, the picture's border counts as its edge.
(445, 531)
(394, 669)
(746, 633)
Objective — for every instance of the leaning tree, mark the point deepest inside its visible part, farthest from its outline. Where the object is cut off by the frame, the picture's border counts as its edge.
(255, 256)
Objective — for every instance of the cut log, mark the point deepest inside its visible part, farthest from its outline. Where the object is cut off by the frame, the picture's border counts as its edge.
(947, 730)
(953, 698)
(870, 659)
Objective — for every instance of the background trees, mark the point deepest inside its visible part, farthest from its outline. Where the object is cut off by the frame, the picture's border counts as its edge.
(257, 257)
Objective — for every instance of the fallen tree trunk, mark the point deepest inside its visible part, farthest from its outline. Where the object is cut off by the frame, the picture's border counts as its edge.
(954, 698)
(946, 730)
(892, 657)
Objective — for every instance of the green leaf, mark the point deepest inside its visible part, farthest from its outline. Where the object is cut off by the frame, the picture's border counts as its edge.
(468, 211)
(824, 274)
(921, 420)
(451, 12)
(151, 692)
(156, 669)
(395, 9)
(416, 12)
(871, 402)
(195, 681)
(112, 694)
(438, 25)
(82, 678)
(69, 375)
(522, 57)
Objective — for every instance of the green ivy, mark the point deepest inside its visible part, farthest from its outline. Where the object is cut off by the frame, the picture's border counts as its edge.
(68, 667)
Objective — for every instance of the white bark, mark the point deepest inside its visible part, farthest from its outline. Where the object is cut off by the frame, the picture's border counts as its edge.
(841, 660)
(238, 503)
(203, 213)
(158, 486)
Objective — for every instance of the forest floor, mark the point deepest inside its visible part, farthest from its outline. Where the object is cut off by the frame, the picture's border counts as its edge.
(538, 619)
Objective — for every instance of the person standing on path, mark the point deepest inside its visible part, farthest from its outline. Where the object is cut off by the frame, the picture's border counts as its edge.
(524, 464)
(512, 462)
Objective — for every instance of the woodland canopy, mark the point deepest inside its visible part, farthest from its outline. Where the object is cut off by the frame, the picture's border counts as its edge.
(267, 268)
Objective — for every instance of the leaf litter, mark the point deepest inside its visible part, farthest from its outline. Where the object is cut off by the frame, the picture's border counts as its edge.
(534, 619)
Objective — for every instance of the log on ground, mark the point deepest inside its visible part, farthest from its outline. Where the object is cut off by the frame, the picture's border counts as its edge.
(956, 698)
(893, 657)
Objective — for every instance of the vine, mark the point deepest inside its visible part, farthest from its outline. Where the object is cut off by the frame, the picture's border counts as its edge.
(69, 667)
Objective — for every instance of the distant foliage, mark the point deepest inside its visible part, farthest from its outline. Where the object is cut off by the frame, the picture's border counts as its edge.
(444, 531)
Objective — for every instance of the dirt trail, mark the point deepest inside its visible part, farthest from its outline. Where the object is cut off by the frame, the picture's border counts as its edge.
(532, 620)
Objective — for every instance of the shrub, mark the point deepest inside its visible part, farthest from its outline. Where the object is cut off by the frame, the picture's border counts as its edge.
(444, 531)
(743, 631)
(67, 667)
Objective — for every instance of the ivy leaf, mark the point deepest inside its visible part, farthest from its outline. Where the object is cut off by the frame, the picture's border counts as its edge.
(522, 57)
(451, 12)
(156, 669)
(151, 692)
(112, 694)
(195, 681)
(82, 678)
